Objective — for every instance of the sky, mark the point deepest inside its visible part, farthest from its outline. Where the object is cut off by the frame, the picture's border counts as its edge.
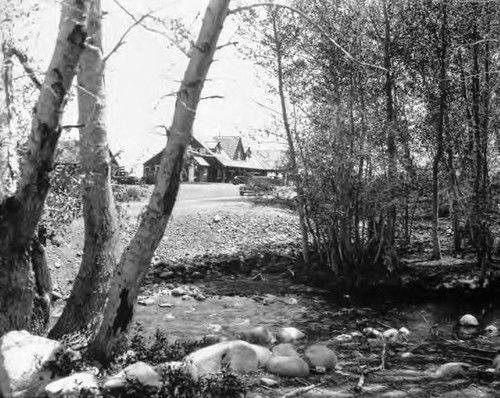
(145, 69)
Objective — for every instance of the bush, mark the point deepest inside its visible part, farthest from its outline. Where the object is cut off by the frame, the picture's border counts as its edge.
(177, 383)
(125, 193)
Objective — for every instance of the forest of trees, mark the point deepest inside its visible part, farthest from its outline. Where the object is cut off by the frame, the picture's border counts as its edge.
(384, 104)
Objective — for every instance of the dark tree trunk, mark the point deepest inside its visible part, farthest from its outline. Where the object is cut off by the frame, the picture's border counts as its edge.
(291, 145)
(436, 247)
(390, 121)
(21, 212)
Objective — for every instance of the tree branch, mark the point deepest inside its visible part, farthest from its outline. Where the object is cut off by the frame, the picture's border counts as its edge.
(121, 42)
(23, 60)
(231, 43)
(149, 28)
(212, 97)
(319, 28)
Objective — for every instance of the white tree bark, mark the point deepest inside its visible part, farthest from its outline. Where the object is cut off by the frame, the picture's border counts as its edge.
(9, 163)
(136, 259)
(100, 251)
(20, 213)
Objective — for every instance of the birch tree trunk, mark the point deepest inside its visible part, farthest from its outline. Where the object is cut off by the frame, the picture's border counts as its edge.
(21, 212)
(9, 163)
(135, 260)
(100, 251)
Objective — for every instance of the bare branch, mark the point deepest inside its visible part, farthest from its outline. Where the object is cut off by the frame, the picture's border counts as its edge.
(212, 97)
(121, 42)
(72, 126)
(23, 60)
(149, 28)
(319, 28)
(231, 43)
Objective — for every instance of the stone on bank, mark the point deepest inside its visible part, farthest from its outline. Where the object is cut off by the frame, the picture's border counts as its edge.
(25, 363)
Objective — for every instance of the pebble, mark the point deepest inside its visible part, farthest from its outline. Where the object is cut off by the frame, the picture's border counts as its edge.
(468, 320)
(166, 274)
(496, 364)
(147, 302)
(268, 382)
(179, 291)
(452, 369)
(372, 333)
(391, 335)
(200, 297)
(491, 330)
(344, 337)
(404, 332)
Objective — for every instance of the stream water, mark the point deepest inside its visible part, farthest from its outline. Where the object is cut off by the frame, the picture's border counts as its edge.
(234, 305)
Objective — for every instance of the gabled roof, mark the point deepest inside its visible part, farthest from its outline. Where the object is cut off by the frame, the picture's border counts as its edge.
(153, 160)
(229, 144)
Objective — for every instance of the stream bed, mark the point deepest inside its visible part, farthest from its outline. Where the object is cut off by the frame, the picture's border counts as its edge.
(233, 305)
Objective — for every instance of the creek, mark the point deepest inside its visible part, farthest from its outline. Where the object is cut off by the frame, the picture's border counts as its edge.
(237, 304)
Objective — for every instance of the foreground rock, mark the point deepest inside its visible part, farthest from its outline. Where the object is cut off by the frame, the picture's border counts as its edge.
(76, 385)
(241, 359)
(285, 350)
(28, 363)
(139, 372)
(238, 355)
(287, 366)
(318, 355)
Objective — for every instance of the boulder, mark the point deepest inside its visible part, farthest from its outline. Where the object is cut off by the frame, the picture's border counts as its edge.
(139, 372)
(468, 320)
(263, 354)
(240, 359)
(285, 350)
(320, 355)
(73, 386)
(287, 366)
(290, 334)
(209, 360)
(258, 335)
(25, 363)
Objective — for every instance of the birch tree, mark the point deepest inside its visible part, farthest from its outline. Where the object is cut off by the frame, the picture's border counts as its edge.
(100, 252)
(21, 210)
(135, 260)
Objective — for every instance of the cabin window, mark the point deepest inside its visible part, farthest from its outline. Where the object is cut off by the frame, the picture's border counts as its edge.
(146, 169)
(157, 168)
